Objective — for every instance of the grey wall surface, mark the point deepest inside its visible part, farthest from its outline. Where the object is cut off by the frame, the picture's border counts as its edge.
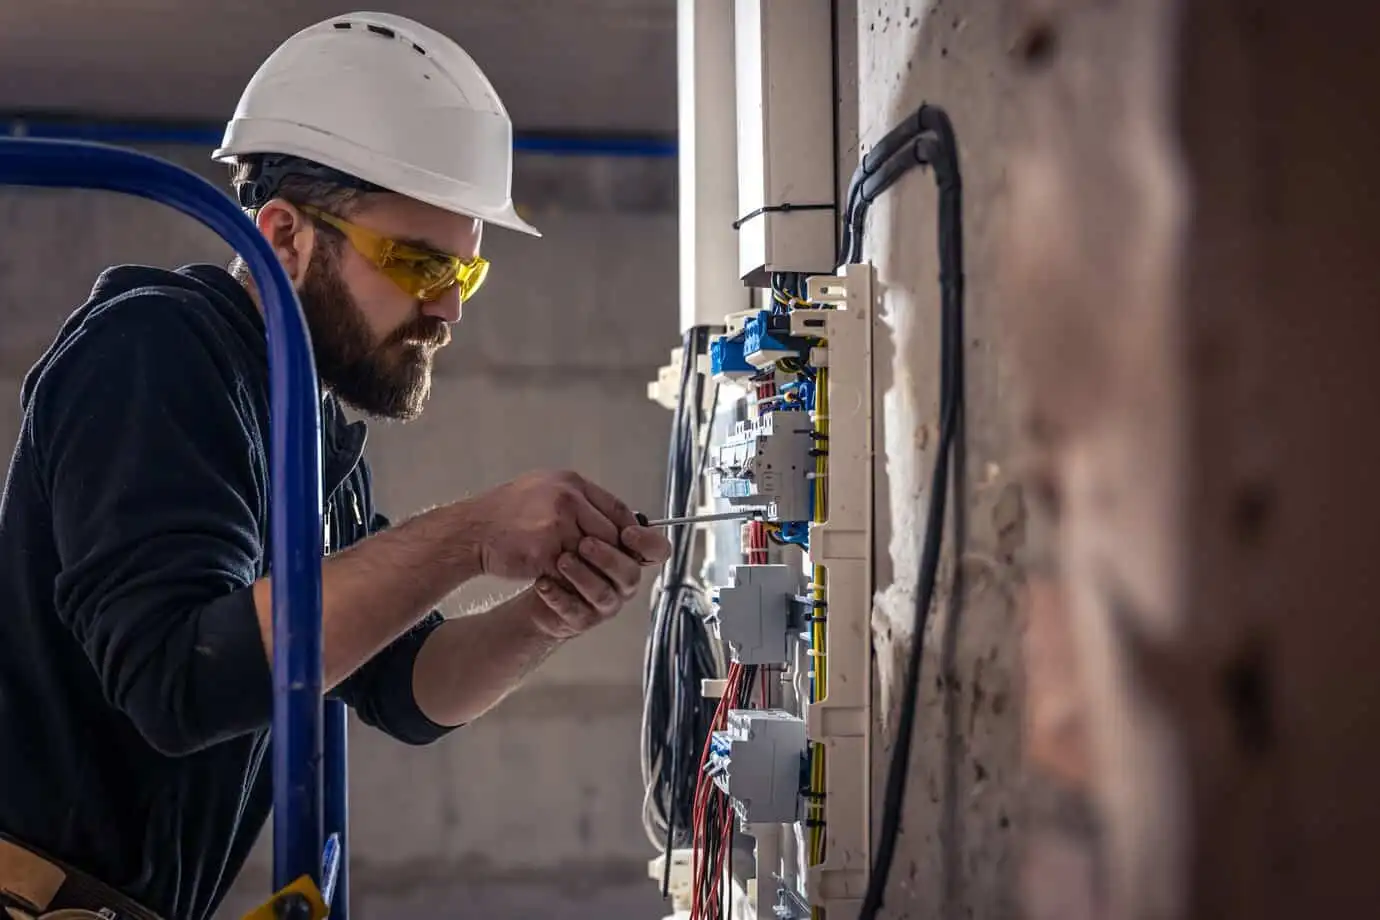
(533, 811)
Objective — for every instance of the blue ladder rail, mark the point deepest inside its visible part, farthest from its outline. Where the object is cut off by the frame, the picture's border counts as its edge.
(309, 791)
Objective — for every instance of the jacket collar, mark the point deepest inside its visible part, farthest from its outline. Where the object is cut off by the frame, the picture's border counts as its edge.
(342, 444)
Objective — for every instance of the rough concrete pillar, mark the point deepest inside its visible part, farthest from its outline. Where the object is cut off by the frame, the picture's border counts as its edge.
(956, 856)
(1194, 239)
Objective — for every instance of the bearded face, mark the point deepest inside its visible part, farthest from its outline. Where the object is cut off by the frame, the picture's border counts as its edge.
(385, 376)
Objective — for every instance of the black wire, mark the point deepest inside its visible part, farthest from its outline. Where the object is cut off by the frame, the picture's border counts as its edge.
(927, 119)
(680, 650)
(656, 666)
(937, 147)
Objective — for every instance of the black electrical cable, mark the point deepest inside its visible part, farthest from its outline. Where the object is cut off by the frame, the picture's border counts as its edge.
(926, 138)
(881, 167)
(680, 651)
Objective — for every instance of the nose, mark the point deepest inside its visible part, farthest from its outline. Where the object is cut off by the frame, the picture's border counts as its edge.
(446, 307)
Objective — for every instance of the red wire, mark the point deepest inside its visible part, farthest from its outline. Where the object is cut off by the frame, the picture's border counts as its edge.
(757, 543)
(726, 835)
(704, 789)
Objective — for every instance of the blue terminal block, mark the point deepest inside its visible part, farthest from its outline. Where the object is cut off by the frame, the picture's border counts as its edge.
(726, 360)
(759, 341)
(767, 338)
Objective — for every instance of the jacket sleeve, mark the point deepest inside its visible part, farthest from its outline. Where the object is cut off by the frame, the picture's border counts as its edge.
(380, 691)
(153, 466)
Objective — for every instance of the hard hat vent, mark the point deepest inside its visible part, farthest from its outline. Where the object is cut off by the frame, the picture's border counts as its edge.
(379, 30)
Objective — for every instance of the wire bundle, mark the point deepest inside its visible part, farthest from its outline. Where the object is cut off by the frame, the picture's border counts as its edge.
(713, 815)
(680, 651)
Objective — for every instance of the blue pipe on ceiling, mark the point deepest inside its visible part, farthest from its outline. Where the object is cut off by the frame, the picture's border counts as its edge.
(134, 133)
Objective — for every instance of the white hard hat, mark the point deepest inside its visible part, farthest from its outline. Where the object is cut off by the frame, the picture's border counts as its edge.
(388, 101)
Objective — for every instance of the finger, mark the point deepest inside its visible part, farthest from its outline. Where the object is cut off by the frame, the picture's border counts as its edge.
(623, 571)
(591, 586)
(592, 520)
(574, 614)
(611, 505)
(648, 542)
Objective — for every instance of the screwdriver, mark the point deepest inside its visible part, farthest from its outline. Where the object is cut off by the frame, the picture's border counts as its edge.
(751, 514)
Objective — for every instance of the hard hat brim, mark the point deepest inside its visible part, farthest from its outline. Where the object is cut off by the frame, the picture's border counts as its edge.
(258, 135)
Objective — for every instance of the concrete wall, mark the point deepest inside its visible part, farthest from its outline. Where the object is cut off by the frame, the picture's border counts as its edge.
(1194, 234)
(533, 810)
(957, 855)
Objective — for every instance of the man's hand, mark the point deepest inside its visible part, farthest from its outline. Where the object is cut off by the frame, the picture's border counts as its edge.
(598, 579)
(527, 523)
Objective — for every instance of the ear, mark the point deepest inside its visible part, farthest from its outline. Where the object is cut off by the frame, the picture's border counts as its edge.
(291, 234)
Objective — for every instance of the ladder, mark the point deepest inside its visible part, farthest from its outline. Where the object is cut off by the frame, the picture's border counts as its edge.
(310, 800)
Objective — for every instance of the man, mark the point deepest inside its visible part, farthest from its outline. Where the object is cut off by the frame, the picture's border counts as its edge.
(135, 640)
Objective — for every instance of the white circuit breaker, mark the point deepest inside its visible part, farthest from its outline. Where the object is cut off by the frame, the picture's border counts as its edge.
(752, 615)
(759, 761)
(767, 462)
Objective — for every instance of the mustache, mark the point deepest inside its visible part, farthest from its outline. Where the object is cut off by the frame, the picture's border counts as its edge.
(424, 330)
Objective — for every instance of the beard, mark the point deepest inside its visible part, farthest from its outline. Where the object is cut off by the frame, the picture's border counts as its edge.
(388, 379)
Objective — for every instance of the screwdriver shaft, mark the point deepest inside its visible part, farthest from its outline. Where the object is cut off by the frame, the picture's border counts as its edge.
(701, 518)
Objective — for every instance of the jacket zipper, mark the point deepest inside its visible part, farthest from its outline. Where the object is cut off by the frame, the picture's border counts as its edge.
(327, 529)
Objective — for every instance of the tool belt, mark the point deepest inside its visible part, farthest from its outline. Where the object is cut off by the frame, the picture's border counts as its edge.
(36, 887)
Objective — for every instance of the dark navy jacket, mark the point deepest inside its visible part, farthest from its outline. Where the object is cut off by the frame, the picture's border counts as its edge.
(135, 695)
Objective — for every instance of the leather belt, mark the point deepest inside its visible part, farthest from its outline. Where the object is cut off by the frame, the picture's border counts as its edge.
(36, 887)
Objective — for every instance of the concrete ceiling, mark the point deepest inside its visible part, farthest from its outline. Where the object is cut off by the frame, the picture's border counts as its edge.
(577, 65)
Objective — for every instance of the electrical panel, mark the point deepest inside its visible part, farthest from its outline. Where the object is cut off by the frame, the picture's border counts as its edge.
(757, 676)
(786, 434)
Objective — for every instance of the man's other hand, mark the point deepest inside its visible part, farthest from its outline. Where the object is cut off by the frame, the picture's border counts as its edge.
(595, 581)
(526, 525)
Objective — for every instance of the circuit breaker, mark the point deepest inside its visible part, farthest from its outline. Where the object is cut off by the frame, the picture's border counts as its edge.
(752, 615)
(758, 759)
(767, 462)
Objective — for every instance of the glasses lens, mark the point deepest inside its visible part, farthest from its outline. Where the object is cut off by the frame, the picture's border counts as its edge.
(423, 275)
(471, 277)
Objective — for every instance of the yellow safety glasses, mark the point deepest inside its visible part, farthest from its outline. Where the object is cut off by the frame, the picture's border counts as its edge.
(422, 273)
